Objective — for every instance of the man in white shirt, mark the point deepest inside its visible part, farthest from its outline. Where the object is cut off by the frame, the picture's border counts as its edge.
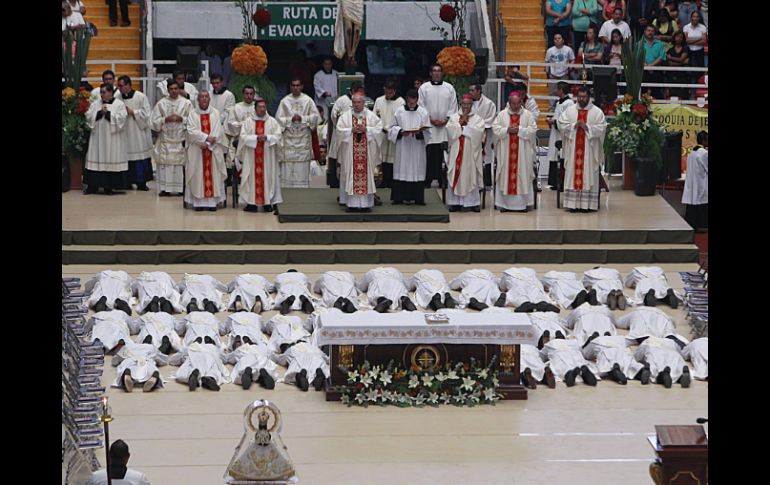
(615, 23)
(385, 107)
(299, 118)
(186, 90)
(410, 132)
(137, 133)
(325, 84)
(558, 56)
(107, 157)
(440, 100)
(485, 108)
(564, 102)
(119, 456)
(696, 184)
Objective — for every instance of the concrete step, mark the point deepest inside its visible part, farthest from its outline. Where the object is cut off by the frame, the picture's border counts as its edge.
(124, 41)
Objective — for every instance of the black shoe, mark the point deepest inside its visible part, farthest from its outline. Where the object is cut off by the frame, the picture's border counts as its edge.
(621, 300)
(407, 304)
(435, 302)
(237, 305)
(162, 193)
(142, 187)
(147, 340)
(192, 381)
(476, 208)
(592, 300)
(210, 306)
(267, 208)
(286, 304)
(101, 305)
(247, 378)
(588, 376)
(382, 305)
(570, 376)
(543, 306)
(301, 380)
(208, 340)
(678, 342)
(664, 377)
(193, 306)
(593, 336)
(526, 307)
(671, 299)
(349, 307)
(319, 380)
(649, 298)
(644, 375)
(165, 346)
(307, 306)
(339, 304)
(527, 379)
(685, 380)
(258, 306)
(500, 303)
(477, 305)
(91, 189)
(208, 382)
(612, 300)
(199, 340)
(559, 335)
(544, 339)
(247, 340)
(617, 375)
(454, 208)
(549, 379)
(265, 379)
(165, 306)
(581, 298)
(250, 208)
(449, 302)
(153, 306)
(199, 209)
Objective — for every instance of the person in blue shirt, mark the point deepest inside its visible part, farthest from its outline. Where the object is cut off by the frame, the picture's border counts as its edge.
(654, 55)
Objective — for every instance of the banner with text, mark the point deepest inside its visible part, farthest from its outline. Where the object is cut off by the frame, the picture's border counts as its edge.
(690, 120)
(302, 21)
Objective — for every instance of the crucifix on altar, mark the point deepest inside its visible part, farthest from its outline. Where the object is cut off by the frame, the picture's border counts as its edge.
(347, 32)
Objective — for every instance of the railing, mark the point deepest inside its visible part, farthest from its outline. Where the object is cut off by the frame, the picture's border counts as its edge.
(527, 67)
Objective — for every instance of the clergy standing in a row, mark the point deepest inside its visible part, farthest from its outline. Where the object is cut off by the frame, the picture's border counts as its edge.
(106, 160)
(465, 131)
(360, 134)
(260, 139)
(138, 134)
(341, 106)
(440, 100)
(298, 117)
(514, 129)
(385, 107)
(410, 132)
(237, 115)
(582, 128)
(223, 100)
(169, 119)
(206, 146)
(487, 109)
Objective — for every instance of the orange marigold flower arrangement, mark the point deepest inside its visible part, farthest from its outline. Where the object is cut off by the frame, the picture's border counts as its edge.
(456, 61)
(249, 60)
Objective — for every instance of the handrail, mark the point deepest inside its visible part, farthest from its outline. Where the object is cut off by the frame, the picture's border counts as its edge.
(482, 15)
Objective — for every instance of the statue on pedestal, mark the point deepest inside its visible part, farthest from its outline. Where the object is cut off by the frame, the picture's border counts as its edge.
(347, 31)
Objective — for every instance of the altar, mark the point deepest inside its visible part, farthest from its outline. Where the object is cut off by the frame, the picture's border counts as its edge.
(409, 340)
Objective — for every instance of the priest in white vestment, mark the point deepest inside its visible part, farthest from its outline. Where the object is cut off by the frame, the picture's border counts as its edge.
(515, 129)
(697, 352)
(205, 171)
(186, 90)
(252, 363)
(298, 117)
(325, 84)
(258, 146)
(108, 77)
(250, 292)
(696, 184)
(159, 329)
(138, 133)
(613, 358)
(521, 286)
(465, 172)
(360, 134)
(567, 363)
(564, 102)
(293, 292)
(410, 131)
(479, 289)
(152, 286)
(107, 159)
(582, 128)
(430, 287)
(647, 322)
(303, 360)
(203, 366)
(386, 288)
(385, 107)
(111, 328)
(110, 285)
(244, 328)
(439, 98)
(202, 288)
(169, 119)
(223, 100)
(485, 108)
(137, 364)
(236, 115)
(664, 358)
(338, 290)
(341, 105)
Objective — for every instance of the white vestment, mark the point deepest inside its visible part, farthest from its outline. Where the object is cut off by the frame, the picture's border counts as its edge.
(233, 121)
(137, 132)
(563, 355)
(205, 185)
(409, 158)
(207, 359)
(303, 356)
(260, 182)
(514, 190)
(341, 105)
(324, 83)
(336, 284)
(245, 324)
(697, 352)
(141, 359)
(132, 477)
(111, 326)
(292, 284)
(646, 278)
(465, 176)
(486, 108)
(587, 319)
(384, 282)
(480, 284)
(357, 161)
(696, 181)
(158, 325)
(249, 287)
(200, 325)
(610, 350)
(603, 280)
(563, 287)
(107, 143)
(255, 356)
(286, 329)
(112, 284)
(555, 134)
(647, 322)
(385, 109)
(550, 321)
(440, 100)
(297, 148)
(168, 154)
(200, 287)
(661, 353)
(585, 179)
(426, 283)
(224, 103)
(189, 89)
(350, 14)
(521, 285)
(156, 283)
(531, 359)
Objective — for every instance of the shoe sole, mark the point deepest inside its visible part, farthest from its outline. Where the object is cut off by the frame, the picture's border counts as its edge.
(149, 385)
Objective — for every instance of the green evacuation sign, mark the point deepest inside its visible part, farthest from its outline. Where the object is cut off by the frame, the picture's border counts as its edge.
(301, 21)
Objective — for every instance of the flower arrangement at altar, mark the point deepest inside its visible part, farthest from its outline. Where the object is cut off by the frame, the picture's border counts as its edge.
(460, 385)
(74, 128)
(457, 60)
(249, 60)
(633, 129)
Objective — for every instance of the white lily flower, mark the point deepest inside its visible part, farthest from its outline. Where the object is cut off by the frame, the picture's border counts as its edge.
(352, 376)
(433, 397)
(495, 382)
(483, 374)
(467, 384)
(414, 381)
(366, 380)
(427, 379)
(386, 378)
(441, 377)
(451, 375)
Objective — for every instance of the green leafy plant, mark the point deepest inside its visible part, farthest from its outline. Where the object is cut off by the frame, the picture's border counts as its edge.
(263, 86)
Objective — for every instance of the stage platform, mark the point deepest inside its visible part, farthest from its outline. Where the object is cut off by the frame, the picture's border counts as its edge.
(141, 228)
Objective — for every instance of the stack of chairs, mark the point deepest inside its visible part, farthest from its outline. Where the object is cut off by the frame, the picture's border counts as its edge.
(697, 299)
(81, 387)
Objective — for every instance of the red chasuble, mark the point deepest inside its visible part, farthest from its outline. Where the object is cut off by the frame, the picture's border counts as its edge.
(259, 164)
(208, 181)
(360, 167)
(580, 150)
(513, 157)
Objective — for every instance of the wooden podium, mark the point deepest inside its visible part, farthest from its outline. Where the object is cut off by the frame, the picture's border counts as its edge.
(682, 455)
